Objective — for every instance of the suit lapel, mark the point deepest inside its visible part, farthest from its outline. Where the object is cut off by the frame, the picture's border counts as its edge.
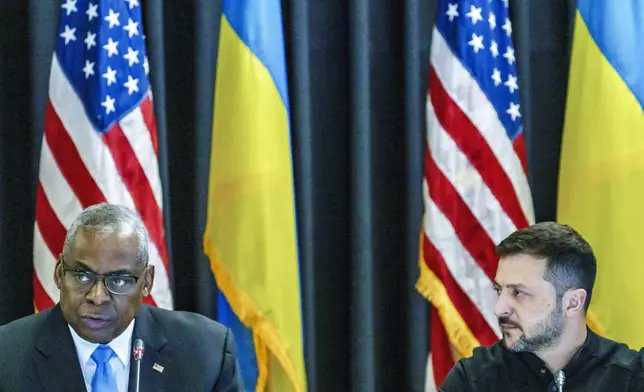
(57, 363)
(154, 365)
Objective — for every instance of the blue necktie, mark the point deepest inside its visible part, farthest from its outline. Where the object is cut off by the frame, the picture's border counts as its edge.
(104, 379)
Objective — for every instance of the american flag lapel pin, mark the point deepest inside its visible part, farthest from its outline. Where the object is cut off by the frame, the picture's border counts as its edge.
(157, 367)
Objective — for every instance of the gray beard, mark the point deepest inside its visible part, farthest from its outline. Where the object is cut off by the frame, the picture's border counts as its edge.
(545, 334)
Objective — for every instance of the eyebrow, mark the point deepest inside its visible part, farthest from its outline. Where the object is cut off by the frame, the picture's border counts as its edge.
(511, 286)
(85, 267)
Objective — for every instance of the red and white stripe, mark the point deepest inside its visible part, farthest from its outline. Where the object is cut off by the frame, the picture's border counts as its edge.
(441, 358)
(79, 168)
(476, 193)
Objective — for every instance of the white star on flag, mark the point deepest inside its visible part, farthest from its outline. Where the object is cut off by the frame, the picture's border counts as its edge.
(113, 18)
(68, 34)
(513, 111)
(132, 85)
(507, 26)
(476, 42)
(492, 20)
(110, 75)
(494, 48)
(69, 6)
(88, 69)
(509, 54)
(474, 14)
(511, 83)
(108, 104)
(132, 28)
(132, 56)
(92, 11)
(90, 40)
(496, 76)
(451, 11)
(110, 46)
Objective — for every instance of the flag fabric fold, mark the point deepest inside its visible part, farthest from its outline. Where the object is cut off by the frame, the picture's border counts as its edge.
(250, 235)
(100, 139)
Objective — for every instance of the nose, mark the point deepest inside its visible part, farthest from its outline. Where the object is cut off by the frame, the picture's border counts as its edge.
(502, 306)
(98, 294)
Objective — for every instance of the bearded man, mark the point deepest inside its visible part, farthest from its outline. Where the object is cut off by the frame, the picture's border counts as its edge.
(544, 282)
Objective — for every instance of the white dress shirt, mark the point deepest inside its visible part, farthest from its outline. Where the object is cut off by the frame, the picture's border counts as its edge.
(120, 363)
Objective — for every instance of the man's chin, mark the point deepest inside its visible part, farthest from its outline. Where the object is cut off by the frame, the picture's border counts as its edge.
(510, 342)
(97, 337)
(100, 336)
(517, 345)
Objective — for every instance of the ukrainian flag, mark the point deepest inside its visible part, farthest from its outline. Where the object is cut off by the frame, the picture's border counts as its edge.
(601, 184)
(250, 234)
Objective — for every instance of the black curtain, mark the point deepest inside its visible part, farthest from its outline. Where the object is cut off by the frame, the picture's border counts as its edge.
(357, 83)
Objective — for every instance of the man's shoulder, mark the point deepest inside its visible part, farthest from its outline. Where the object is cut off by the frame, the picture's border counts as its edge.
(483, 358)
(469, 370)
(205, 348)
(209, 341)
(24, 328)
(484, 355)
(18, 337)
(621, 355)
(488, 352)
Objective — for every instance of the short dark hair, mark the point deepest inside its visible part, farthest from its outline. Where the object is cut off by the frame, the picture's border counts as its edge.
(570, 261)
(107, 218)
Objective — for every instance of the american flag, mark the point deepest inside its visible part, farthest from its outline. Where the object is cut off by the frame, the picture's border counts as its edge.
(100, 140)
(476, 190)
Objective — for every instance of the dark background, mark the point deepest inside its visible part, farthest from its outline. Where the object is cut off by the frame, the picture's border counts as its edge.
(357, 79)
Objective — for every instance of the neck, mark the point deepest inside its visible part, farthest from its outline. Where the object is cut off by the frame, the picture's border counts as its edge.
(558, 356)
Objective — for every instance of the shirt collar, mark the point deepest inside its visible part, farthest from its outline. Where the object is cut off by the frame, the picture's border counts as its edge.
(121, 345)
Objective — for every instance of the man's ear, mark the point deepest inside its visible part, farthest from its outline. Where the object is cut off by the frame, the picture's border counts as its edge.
(148, 280)
(574, 301)
(57, 270)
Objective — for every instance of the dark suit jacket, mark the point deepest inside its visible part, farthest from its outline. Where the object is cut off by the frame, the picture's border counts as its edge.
(37, 353)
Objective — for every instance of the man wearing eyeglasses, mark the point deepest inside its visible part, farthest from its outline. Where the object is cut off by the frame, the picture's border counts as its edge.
(103, 275)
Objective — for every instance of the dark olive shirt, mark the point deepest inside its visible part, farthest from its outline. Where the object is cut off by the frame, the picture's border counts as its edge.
(600, 365)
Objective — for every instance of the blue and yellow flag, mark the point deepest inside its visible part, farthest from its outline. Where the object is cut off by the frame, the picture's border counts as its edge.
(250, 234)
(601, 183)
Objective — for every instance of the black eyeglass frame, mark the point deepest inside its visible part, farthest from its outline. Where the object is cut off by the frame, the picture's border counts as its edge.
(95, 277)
